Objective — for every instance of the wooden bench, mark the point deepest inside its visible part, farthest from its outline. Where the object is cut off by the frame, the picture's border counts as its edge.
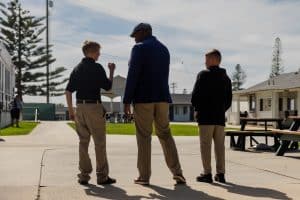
(240, 144)
(285, 132)
(286, 136)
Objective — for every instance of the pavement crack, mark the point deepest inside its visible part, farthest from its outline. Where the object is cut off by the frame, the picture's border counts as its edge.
(265, 170)
(42, 165)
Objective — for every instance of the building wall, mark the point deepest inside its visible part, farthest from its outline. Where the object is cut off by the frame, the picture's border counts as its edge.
(181, 113)
(266, 98)
(45, 111)
(268, 104)
(7, 85)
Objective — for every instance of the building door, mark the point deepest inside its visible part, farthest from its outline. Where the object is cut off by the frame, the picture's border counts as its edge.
(191, 113)
(171, 113)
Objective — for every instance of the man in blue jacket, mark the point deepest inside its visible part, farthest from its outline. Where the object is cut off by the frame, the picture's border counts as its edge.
(147, 89)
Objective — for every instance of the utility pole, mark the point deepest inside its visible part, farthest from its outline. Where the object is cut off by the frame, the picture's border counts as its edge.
(173, 87)
(47, 50)
(19, 67)
(49, 3)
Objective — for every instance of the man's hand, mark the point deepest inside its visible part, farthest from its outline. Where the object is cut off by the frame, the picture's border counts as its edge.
(111, 66)
(70, 105)
(72, 115)
(195, 115)
(127, 109)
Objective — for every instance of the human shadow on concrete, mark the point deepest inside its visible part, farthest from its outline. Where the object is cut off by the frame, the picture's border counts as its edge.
(293, 157)
(258, 192)
(111, 192)
(180, 192)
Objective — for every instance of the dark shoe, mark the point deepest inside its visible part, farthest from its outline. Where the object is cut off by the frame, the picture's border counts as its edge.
(109, 181)
(81, 182)
(141, 182)
(179, 179)
(220, 178)
(206, 178)
(83, 179)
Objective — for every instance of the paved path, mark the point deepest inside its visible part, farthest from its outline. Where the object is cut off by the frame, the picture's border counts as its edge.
(25, 175)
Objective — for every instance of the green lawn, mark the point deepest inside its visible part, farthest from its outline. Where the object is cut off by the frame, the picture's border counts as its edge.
(25, 129)
(129, 129)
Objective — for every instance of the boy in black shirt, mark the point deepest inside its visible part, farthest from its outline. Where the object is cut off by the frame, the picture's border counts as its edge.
(211, 97)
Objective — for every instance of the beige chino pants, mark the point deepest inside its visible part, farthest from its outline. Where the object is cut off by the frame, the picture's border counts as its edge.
(145, 114)
(209, 133)
(90, 121)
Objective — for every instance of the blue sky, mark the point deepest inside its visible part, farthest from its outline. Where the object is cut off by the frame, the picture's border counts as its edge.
(244, 30)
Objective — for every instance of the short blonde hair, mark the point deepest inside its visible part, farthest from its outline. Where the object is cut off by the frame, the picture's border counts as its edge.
(214, 53)
(90, 47)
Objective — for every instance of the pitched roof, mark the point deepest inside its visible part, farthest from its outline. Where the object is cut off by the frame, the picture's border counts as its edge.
(281, 82)
(181, 98)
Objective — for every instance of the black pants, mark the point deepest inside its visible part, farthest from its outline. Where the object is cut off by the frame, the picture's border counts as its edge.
(15, 113)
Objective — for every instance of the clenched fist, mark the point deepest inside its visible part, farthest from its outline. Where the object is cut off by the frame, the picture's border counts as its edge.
(111, 66)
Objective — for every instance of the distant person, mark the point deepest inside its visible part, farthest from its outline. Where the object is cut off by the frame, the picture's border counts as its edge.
(211, 98)
(87, 79)
(148, 90)
(15, 111)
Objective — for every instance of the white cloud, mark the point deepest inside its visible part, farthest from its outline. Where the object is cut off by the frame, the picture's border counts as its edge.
(244, 30)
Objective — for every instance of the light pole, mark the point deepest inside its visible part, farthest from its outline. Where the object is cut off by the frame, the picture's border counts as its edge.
(49, 3)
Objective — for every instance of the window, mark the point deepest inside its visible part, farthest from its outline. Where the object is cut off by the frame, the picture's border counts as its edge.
(291, 104)
(252, 104)
(265, 104)
(185, 110)
(176, 110)
(1, 86)
(280, 104)
(1, 79)
(261, 105)
(7, 82)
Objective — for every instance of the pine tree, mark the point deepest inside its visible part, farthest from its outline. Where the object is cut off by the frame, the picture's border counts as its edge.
(238, 78)
(22, 35)
(277, 67)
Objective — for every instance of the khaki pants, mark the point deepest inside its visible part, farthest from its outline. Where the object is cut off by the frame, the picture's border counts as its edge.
(207, 134)
(90, 121)
(145, 114)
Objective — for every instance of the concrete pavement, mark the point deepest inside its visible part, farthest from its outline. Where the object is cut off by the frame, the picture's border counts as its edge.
(44, 165)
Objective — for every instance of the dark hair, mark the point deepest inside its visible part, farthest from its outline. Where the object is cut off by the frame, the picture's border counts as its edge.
(215, 53)
(90, 47)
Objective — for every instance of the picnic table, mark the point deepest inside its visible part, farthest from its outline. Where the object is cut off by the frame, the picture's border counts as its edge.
(288, 137)
(240, 143)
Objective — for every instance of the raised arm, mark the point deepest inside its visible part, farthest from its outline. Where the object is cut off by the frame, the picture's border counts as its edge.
(105, 82)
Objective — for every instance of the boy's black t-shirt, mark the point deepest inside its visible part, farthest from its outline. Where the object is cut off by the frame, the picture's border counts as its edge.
(87, 79)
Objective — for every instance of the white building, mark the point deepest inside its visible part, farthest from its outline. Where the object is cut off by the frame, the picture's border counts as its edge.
(7, 85)
(180, 110)
(269, 99)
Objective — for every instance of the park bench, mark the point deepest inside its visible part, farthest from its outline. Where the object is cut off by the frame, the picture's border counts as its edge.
(242, 134)
(288, 138)
(240, 143)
